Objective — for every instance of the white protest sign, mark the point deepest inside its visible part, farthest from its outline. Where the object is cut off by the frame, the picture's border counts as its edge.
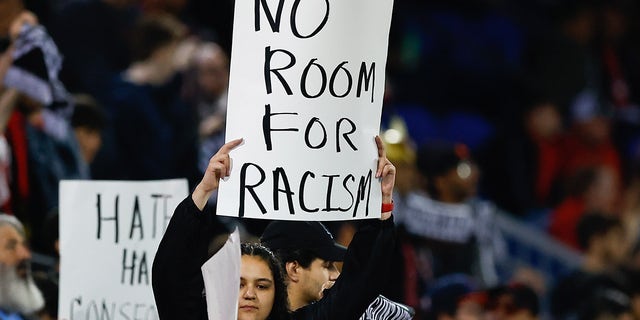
(109, 234)
(306, 88)
(221, 274)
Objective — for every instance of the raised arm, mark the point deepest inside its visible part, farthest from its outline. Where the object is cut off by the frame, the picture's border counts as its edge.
(177, 280)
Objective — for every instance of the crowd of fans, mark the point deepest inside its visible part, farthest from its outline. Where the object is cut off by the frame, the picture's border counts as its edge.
(526, 108)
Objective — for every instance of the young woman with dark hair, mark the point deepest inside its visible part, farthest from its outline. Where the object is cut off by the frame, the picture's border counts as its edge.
(178, 284)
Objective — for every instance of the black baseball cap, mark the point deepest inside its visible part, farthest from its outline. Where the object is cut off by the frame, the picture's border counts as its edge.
(436, 158)
(307, 235)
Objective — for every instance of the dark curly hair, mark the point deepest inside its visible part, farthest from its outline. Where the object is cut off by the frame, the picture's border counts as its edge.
(280, 308)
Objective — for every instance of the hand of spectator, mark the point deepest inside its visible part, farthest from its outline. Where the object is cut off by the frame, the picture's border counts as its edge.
(219, 167)
(183, 55)
(387, 173)
(25, 17)
(211, 125)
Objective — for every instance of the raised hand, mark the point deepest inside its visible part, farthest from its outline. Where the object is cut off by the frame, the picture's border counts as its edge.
(387, 173)
(219, 167)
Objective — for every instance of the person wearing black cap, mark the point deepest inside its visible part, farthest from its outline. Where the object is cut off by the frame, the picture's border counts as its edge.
(308, 252)
(315, 288)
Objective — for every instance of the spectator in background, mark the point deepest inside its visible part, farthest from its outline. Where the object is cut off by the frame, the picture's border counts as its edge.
(37, 107)
(19, 296)
(591, 189)
(9, 10)
(602, 238)
(527, 178)
(447, 229)
(588, 142)
(88, 121)
(205, 90)
(153, 134)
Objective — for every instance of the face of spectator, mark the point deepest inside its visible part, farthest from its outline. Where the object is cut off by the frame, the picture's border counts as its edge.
(319, 276)
(595, 131)
(603, 194)
(406, 178)
(212, 71)
(544, 121)
(13, 250)
(580, 27)
(615, 250)
(257, 289)
(89, 141)
(461, 182)
(18, 292)
(469, 310)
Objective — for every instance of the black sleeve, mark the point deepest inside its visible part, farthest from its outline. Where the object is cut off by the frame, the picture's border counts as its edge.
(176, 277)
(364, 273)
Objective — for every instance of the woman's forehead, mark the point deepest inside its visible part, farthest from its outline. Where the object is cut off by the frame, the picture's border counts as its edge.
(254, 268)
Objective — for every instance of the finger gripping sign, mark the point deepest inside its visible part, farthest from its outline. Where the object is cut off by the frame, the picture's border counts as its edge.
(109, 234)
(306, 88)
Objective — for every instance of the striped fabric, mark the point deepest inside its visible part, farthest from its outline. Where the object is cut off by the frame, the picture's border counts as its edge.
(385, 309)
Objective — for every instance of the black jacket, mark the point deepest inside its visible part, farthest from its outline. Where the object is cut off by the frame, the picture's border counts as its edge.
(178, 285)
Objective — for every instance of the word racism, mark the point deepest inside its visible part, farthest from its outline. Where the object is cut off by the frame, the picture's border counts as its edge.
(281, 185)
(135, 265)
(355, 79)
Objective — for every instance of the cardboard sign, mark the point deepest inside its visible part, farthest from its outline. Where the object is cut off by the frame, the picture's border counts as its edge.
(109, 233)
(221, 274)
(306, 88)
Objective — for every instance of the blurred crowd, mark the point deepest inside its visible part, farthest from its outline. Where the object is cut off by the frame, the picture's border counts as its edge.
(524, 109)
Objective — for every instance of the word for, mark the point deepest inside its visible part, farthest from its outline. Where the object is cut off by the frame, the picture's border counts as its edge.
(81, 309)
(343, 128)
(359, 190)
(136, 225)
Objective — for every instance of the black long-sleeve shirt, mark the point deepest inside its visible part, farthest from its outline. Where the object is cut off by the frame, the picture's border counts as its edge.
(178, 285)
